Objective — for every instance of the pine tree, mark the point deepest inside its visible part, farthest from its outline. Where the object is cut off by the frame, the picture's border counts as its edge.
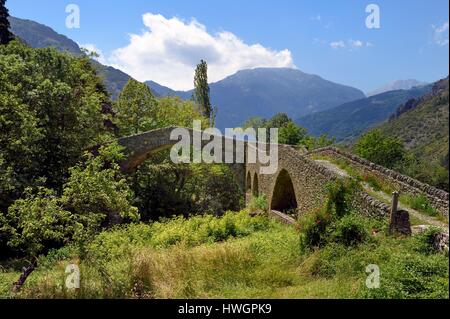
(5, 35)
(201, 93)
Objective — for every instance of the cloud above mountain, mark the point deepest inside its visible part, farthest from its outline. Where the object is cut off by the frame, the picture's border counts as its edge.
(169, 49)
(441, 34)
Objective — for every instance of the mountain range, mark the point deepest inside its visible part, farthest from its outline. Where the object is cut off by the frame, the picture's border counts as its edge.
(397, 85)
(264, 92)
(349, 120)
(320, 105)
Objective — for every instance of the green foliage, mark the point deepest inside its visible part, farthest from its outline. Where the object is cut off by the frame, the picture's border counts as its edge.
(5, 35)
(173, 111)
(380, 149)
(420, 203)
(412, 276)
(94, 196)
(233, 257)
(259, 204)
(135, 109)
(312, 143)
(39, 222)
(93, 190)
(339, 196)
(50, 111)
(350, 230)
(313, 229)
(335, 221)
(291, 134)
(424, 241)
(201, 91)
(164, 189)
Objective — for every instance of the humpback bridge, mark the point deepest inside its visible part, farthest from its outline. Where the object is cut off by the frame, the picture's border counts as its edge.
(298, 183)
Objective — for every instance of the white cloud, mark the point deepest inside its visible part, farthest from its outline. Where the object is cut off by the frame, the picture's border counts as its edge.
(350, 44)
(168, 51)
(316, 18)
(356, 43)
(441, 34)
(92, 48)
(338, 45)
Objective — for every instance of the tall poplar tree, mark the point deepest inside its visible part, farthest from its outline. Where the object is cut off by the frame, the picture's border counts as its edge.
(5, 35)
(201, 92)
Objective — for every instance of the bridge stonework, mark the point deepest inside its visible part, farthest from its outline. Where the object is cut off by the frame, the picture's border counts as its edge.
(297, 185)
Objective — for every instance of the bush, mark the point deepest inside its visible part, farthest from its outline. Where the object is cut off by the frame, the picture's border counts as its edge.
(412, 276)
(381, 149)
(350, 230)
(313, 229)
(258, 204)
(339, 196)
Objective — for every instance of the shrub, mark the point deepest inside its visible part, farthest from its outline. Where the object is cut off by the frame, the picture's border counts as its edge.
(339, 196)
(350, 230)
(380, 149)
(259, 204)
(412, 276)
(313, 229)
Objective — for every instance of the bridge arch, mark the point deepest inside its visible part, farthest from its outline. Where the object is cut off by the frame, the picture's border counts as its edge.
(283, 195)
(248, 184)
(255, 185)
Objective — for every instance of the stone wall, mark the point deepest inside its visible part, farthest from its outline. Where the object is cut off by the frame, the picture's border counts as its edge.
(309, 179)
(439, 199)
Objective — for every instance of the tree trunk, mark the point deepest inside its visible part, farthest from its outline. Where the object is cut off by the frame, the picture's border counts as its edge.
(23, 277)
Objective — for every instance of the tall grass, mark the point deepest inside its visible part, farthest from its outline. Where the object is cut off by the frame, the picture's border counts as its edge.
(237, 256)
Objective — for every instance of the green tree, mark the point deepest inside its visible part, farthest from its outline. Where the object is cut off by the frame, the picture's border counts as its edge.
(201, 91)
(255, 123)
(5, 35)
(291, 134)
(135, 108)
(50, 112)
(381, 149)
(312, 143)
(278, 121)
(94, 197)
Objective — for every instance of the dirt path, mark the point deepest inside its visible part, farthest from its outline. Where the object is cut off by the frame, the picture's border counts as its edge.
(423, 218)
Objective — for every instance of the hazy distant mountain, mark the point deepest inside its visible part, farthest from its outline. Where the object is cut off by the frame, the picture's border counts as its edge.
(38, 35)
(397, 85)
(267, 91)
(351, 119)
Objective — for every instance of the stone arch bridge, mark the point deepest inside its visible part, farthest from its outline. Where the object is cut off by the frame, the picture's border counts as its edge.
(298, 183)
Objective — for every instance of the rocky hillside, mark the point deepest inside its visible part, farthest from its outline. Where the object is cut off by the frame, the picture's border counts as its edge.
(350, 120)
(423, 124)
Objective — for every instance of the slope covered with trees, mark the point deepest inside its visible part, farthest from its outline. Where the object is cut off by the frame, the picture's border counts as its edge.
(350, 120)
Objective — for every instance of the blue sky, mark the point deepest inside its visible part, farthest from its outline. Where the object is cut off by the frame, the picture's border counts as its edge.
(323, 37)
